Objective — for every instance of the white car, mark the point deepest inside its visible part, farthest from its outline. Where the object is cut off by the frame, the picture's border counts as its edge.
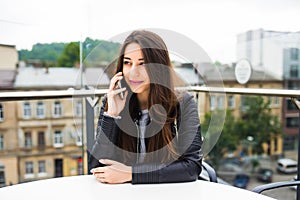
(286, 165)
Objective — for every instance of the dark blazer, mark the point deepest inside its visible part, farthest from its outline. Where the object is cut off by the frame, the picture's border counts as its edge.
(187, 141)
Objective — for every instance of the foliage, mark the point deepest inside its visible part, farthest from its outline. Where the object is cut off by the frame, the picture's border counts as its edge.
(100, 50)
(43, 52)
(62, 54)
(70, 55)
(227, 140)
(217, 63)
(256, 121)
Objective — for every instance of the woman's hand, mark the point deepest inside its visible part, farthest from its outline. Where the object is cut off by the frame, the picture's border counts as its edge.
(113, 173)
(115, 103)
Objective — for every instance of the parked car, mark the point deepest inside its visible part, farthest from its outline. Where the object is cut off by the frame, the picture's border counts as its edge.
(286, 165)
(230, 167)
(241, 181)
(265, 175)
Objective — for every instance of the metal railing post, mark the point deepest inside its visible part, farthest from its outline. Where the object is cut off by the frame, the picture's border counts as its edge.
(297, 103)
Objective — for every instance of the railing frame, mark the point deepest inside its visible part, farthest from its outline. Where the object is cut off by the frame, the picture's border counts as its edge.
(91, 94)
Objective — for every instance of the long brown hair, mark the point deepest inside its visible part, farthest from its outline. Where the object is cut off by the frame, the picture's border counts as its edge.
(159, 69)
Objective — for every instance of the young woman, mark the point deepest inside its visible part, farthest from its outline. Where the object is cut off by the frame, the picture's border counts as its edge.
(147, 132)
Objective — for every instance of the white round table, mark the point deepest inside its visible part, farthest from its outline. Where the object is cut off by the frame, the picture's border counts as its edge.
(86, 187)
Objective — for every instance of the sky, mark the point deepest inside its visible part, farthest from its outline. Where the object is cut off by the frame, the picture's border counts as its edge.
(212, 24)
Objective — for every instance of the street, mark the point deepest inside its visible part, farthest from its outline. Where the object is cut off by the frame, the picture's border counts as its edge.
(285, 193)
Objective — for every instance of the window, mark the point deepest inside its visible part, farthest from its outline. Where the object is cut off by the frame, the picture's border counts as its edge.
(276, 101)
(292, 122)
(42, 168)
(231, 102)
(41, 139)
(40, 110)
(78, 108)
(221, 102)
(1, 113)
(1, 141)
(294, 71)
(294, 53)
(26, 110)
(58, 139)
(244, 106)
(2, 176)
(29, 169)
(293, 85)
(291, 106)
(212, 102)
(28, 140)
(290, 142)
(57, 110)
(78, 137)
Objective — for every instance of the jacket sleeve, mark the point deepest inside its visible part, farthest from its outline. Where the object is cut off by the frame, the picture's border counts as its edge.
(103, 146)
(188, 166)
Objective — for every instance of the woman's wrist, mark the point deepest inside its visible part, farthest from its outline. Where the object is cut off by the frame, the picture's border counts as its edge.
(111, 115)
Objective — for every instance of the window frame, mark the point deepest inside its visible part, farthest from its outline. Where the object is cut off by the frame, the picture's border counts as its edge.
(2, 147)
(1, 112)
(58, 140)
(29, 169)
(26, 144)
(57, 109)
(27, 110)
(41, 108)
(42, 172)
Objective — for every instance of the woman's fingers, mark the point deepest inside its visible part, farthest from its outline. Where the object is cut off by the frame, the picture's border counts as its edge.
(114, 80)
(117, 91)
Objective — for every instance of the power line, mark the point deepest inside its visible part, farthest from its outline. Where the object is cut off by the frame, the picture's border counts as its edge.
(15, 22)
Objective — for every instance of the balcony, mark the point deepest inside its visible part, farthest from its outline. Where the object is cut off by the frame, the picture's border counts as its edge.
(76, 155)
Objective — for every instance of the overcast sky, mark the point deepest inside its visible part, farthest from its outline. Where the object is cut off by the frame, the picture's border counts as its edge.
(212, 24)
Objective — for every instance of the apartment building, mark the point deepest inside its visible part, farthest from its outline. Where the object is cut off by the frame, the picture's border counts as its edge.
(8, 122)
(49, 130)
(225, 76)
(277, 53)
(8, 57)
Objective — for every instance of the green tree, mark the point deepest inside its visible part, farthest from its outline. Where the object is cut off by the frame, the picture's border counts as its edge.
(258, 122)
(70, 55)
(47, 53)
(227, 140)
(93, 51)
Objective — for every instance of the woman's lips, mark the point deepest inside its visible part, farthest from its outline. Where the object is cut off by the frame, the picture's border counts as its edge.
(135, 83)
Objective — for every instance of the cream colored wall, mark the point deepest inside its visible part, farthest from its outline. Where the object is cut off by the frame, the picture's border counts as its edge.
(8, 57)
(67, 123)
(11, 170)
(8, 156)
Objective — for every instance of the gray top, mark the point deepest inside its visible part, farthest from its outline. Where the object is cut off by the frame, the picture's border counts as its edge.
(142, 124)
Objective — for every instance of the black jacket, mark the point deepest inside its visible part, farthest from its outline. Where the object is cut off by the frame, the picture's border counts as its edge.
(187, 140)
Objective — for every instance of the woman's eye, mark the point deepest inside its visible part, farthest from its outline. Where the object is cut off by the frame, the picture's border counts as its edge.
(126, 62)
(142, 63)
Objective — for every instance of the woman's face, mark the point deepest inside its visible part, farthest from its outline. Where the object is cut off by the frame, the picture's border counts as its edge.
(134, 69)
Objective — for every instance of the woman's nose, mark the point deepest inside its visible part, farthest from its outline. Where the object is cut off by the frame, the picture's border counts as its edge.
(134, 69)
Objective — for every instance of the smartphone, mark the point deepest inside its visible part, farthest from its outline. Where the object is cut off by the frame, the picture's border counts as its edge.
(121, 94)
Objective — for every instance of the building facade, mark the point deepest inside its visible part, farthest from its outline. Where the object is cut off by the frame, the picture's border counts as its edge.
(50, 138)
(278, 54)
(236, 103)
(8, 122)
(8, 57)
